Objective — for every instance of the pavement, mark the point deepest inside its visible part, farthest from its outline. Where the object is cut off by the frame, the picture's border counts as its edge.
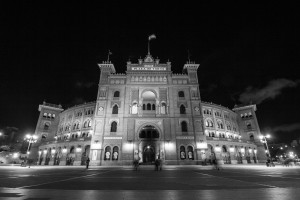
(252, 181)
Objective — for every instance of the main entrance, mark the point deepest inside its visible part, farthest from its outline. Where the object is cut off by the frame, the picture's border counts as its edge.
(148, 154)
(149, 144)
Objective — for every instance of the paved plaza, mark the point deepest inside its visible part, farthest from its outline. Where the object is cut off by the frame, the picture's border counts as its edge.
(173, 182)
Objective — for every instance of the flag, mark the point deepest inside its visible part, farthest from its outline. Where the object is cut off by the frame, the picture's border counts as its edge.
(109, 52)
(152, 37)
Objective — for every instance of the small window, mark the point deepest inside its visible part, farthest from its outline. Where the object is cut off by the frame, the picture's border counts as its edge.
(182, 109)
(116, 94)
(153, 106)
(183, 126)
(180, 94)
(46, 126)
(115, 109)
(113, 127)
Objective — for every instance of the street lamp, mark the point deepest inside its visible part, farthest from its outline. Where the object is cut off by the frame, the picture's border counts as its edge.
(264, 140)
(30, 139)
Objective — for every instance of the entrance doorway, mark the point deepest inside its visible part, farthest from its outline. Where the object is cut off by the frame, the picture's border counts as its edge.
(149, 145)
(148, 154)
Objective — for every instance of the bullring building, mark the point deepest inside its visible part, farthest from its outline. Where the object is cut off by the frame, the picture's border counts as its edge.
(149, 113)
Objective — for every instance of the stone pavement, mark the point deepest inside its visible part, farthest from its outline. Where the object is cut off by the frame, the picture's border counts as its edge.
(173, 182)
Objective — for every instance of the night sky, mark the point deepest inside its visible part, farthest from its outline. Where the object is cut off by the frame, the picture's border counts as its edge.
(247, 53)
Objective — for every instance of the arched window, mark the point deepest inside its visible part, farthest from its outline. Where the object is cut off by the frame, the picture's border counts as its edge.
(89, 123)
(163, 109)
(74, 126)
(44, 137)
(190, 153)
(107, 153)
(116, 94)
(134, 109)
(220, 125)
(46, 126)
(148, 106)
(248, 125)
(115, 155)
(115, 109)
(144, 107)
(182, 153)
(153, 106)
(182, 109)
(113, 127)
(251, 137)
(206, 123)
(72, 149)
(77, 126)
(183, 126)
(180, 94)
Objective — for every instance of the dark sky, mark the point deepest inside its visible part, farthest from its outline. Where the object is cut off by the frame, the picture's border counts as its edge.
(247, 53)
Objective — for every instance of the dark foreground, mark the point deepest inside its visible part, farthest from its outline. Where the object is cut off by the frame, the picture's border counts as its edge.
(173, 182)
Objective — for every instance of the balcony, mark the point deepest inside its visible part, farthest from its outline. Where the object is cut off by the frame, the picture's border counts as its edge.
(223, 139)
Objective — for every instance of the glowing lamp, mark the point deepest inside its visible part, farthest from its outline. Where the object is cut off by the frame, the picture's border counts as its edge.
(242, 150)
(202, 145)
(53, 151)
(218, 149)
(45, 151)
(231, 149)
(78, 149)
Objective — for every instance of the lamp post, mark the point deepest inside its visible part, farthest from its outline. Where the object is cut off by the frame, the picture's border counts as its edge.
(264, 140)
(30, 139)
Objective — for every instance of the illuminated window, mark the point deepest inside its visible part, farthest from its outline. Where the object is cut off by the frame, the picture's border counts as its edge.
(190, 153)
(107, 154)
(182, 153)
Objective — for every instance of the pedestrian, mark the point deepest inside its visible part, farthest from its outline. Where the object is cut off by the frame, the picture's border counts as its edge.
(87, 162)
(160, 164)
(216, 165)
(156, 164)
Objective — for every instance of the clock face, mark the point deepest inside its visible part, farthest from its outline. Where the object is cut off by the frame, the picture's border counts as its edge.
(197, 109)
(101, 108)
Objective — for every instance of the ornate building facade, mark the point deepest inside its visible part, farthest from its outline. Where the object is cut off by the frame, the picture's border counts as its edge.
(149, 113)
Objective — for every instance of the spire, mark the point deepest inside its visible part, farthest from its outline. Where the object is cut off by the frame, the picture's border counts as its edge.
(109, 53)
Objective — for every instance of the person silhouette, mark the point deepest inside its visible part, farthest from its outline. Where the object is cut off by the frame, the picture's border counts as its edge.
(87, 162)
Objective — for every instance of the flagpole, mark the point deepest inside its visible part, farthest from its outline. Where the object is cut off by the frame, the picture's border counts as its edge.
(148, 47)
